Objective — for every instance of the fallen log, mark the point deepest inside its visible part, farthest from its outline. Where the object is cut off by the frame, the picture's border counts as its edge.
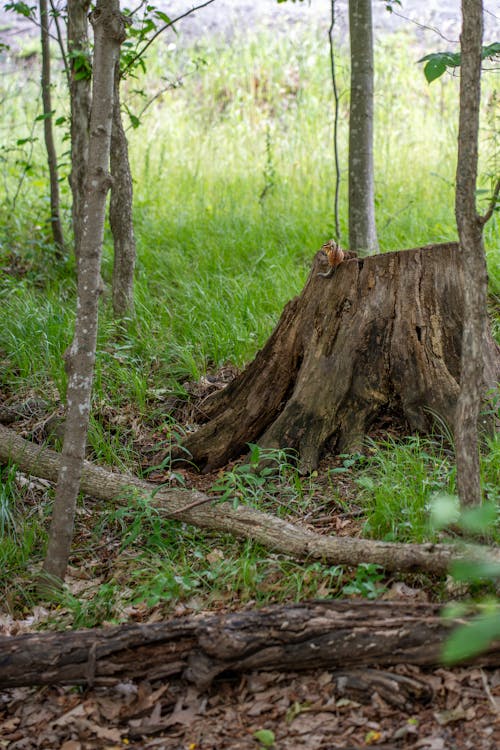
(326, 634)
(194, 508)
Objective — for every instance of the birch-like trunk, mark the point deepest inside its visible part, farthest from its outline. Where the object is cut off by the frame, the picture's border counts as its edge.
(78, 49)
(472, 257)
(120, 213)
(362, 229)
(55, 214)
(108, 35)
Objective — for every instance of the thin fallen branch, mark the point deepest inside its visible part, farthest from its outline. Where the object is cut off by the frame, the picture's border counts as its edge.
(193, 507)
(328, 634)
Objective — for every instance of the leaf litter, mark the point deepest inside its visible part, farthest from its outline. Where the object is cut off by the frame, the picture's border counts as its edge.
(302, 710)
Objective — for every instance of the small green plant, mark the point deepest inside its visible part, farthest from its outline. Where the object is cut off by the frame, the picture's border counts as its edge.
(266, 737)
(267, 479)
(98, 606)
(367, 581)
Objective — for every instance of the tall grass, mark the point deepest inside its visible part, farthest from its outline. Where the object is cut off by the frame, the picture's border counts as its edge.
(233, 175)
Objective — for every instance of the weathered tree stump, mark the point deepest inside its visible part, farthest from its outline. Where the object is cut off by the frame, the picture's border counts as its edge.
(383, 334)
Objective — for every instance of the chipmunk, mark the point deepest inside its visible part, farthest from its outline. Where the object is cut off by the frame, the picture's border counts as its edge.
(335, 255)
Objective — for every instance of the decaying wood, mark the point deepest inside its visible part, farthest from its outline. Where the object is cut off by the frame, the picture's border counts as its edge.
(397, 689)
(279, 535)
(327, 634)
(383, 335)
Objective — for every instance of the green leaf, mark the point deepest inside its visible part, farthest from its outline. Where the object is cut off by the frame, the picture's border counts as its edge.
(490, 50)
(479, 520)
(22, 9)
(475, 570)
(134, 120)
(265, 736)
(472, 638)
(45, 116)
(445, 510)
(254, 453)
(162, 16)
(434, 69)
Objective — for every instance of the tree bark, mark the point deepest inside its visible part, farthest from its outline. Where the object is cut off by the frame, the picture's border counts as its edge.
(362, 228)
(79, 59)
(383, 335)
(120, 213)
(281, 536)
(474, 343)
(108, 35)
(326, 634)
(55, 213)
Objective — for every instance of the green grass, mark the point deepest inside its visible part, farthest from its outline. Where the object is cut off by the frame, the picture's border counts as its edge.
(233, 179)
(401, 479)
(217, 262)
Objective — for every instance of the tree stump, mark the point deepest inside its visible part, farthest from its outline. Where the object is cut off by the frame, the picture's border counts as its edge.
(382, 335)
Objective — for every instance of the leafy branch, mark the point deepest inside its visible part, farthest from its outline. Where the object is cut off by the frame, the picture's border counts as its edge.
(439, 62)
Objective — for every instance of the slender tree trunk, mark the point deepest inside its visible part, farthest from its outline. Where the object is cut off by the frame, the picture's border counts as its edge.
(120, 213)
(472, 257)
(108, 35)
(55, 215)
(335, 122)
(78, 53)
(362, 229)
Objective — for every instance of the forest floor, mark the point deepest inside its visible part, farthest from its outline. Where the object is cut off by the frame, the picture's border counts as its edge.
(306, 710)
(301, 710)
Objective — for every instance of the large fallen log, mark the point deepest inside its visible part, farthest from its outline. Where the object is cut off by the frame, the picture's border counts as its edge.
(327, 634)
(272, 532)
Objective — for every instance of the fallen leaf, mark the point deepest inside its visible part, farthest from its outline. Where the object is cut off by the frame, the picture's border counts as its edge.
(431, 743)
(447, 717)
(72, 745)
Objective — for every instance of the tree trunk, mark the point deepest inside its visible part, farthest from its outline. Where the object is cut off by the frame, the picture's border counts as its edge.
(79, 59)
(246, 523)
(362, 229)
(472, 257)
(108, 35)
(55, 214)
(120, 213)
(383, 335)
(326, 634)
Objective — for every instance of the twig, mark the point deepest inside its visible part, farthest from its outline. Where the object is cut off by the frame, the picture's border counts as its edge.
(195, 504)
(171, 85)
(60, 41)
(335, 122)
(487, 690)
(160, 31)
(423, 26)
(493, 202)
